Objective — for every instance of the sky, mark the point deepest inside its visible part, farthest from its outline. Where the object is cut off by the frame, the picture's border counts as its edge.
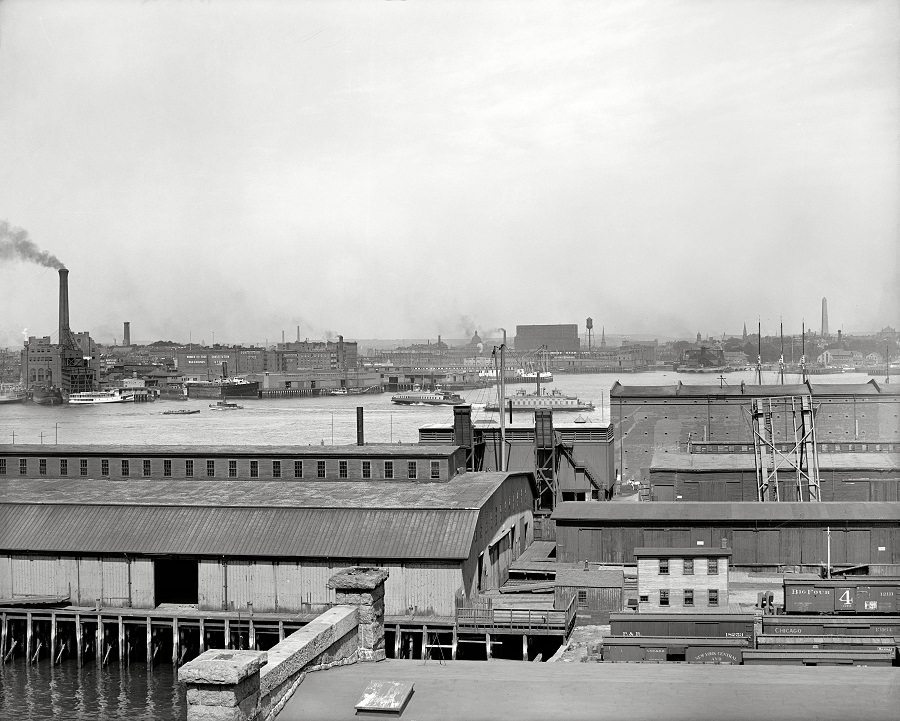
(228, 170)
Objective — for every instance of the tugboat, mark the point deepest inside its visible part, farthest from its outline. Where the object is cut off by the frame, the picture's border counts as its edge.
(12, 393)
(225, 406)
(45, 395)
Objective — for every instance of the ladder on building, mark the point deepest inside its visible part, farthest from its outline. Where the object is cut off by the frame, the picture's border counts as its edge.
(801, 460)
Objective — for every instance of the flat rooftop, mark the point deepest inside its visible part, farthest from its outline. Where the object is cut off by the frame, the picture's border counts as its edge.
(473, 690)
(699, 462)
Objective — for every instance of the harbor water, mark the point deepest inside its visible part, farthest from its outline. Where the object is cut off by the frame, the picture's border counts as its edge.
(44, 691)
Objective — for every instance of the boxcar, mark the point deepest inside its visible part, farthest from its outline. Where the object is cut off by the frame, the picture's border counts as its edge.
(780, 657)
(685, 625)
(845, 595)
(829, 643)
(648, 649)
(832, 626)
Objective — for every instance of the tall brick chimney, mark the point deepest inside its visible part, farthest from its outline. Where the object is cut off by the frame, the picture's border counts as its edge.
(63, 305)
(127, 334)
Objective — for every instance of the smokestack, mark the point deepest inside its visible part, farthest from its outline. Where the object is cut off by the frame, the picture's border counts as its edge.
(127, 334)
(63, 305)
(298, 333)
(360, 434)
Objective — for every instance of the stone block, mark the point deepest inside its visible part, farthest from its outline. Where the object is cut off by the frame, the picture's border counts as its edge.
(371, 655)
(222, 695)
(369, 634)
(373, 613)
(215, 713)
(358, 578)
(359, 598)
(218, 667)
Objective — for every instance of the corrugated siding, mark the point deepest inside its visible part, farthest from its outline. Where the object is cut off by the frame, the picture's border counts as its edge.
(114, 573)
(6, 577)
(90, 577)
(270, 532)
(211, 585)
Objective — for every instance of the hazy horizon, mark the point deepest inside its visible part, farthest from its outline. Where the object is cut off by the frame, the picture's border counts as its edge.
(408, 169)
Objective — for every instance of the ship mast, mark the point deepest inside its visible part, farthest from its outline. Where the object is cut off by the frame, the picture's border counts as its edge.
(501, 402)
(803, 353)
(759, 353)
(781, 358)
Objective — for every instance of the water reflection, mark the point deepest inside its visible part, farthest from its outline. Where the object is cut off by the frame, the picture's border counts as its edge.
(43, 691)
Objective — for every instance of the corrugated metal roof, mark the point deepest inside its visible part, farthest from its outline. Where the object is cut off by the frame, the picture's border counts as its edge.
(415, 534)
(464, 491)
(387, 450)
(700, 462)
(688, 512)
(590, 579)
(748, 390)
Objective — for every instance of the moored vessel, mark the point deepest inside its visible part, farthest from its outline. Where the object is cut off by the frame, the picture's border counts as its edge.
(45, 395)
(222, 388)
(553, 400)
(95, 398)
(12, 393)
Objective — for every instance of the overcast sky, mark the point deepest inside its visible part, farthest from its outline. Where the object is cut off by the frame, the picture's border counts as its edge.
(407, 169)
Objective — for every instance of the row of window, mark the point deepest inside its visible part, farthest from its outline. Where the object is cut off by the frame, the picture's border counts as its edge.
(712, 597)
(712, 566)
(412, 468)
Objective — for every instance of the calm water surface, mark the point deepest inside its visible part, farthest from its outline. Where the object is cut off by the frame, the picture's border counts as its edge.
(42, 691)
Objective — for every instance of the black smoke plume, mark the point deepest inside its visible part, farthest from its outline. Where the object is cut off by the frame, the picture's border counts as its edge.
(16, 245)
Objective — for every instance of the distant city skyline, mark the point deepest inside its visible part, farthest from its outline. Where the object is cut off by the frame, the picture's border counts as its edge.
(413, 169)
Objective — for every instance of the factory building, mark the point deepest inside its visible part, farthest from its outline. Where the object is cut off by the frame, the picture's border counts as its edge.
(72, 364)
(764, 536)
(388, 462)
(550, 337)
(269, 546)
(650, 419)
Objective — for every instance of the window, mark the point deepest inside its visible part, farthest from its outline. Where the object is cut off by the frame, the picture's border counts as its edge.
(104, 467)
(42, 466)
(232, 469)
(83, 466)
(276, 469)
(663, 566)
(2, 466)
(435, 470)
(411, 469)
(714, 597)
(663, 598)
(712, 566)
(688, 566)
(189, 469)
(582, 598)
(23, 466)
(63, 467)
(342, 469)
(298, 469)
(367, 469)
(689, 597)
(210, 468)
(125, 468)
(146, 467)
(388, 469)
(167, 467)
(254, 469)
(320, 469)
(645, 599)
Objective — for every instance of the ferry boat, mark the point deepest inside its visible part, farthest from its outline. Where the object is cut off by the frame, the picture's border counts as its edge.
(222, 388)
(553, 399)
(93, 398)
(225, 406)
(12, 393)
(417, 396)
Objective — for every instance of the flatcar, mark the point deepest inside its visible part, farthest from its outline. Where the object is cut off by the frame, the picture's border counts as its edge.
(781, 657)
(847, 595)
(683, 625)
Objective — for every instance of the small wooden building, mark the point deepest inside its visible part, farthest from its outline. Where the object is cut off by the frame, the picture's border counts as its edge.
(597, 592)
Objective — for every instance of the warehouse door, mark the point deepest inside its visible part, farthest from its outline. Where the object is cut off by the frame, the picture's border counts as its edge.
(176, 581)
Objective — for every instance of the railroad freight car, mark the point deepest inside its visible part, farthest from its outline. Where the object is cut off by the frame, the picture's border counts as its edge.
(648, 649)
(780, 657)
(832, 626)
(682, 625)
(846, 595)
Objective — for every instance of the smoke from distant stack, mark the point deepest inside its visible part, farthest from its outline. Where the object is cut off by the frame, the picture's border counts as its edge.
(16, 245)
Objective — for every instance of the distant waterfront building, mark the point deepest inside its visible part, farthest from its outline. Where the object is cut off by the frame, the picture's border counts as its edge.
(554, 337)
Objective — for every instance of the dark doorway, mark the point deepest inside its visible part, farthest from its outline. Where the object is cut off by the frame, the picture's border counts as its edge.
(175, 581)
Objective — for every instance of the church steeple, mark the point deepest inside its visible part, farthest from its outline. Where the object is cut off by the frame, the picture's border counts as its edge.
(745, 332)
(603, 337)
